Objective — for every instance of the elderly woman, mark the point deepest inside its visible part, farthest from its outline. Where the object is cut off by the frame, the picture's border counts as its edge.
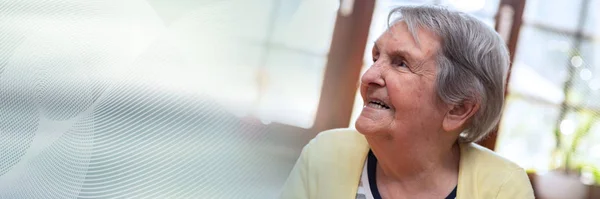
(436, 86)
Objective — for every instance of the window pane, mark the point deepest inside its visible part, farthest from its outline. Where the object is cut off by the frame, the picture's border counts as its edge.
(525, 80)
(587, 81)
(592, 25)
(545, 52)
(295, 17)
(483, 9)
(525, 134)
(252, 25)
(293, 89)
(558, 13)
(591, 59)
(290, 75)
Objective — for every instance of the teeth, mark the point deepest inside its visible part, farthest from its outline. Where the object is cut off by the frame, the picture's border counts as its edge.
(375, 106)
(378, 105)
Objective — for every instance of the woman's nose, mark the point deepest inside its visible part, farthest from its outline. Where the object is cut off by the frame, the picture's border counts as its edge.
(373, 76)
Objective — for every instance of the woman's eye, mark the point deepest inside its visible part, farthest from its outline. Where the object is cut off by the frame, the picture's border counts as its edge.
(403, 64)
(400, 63)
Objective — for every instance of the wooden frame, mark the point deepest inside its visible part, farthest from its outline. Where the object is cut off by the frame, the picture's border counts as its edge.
(509, 19)
(344, 63)
(342, 70)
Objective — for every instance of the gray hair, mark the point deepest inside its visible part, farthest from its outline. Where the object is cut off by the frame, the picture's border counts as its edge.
(472, 62)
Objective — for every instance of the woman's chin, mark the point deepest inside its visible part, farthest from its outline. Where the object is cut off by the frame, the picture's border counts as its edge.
(367, 126)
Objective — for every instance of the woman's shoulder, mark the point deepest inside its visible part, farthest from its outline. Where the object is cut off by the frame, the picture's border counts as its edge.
(338, 143)
(339, 139)
(491, 174)
(341, 136)
(476, 155)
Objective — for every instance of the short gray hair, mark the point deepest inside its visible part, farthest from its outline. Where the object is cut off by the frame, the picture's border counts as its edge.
(472, 62)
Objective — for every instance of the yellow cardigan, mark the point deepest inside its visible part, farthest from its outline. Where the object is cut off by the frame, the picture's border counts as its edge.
(330, 166)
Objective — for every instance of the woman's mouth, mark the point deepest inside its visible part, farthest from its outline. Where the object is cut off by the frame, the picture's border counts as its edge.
(377, 104)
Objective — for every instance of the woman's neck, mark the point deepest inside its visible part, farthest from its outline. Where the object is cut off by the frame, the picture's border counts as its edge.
(414, 167)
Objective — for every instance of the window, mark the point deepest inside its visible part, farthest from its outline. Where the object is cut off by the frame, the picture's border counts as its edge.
(293, 56)
(557, 53)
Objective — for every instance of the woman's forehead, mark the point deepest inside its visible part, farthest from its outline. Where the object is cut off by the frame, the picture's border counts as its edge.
(399, 38)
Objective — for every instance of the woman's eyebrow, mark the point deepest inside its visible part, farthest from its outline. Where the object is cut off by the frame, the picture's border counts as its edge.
(404, 53)
(399, 51)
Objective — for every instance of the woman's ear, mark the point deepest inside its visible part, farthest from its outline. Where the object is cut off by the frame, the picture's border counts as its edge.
(459, 115)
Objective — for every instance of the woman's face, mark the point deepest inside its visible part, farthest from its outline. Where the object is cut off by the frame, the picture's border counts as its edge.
(398, 90)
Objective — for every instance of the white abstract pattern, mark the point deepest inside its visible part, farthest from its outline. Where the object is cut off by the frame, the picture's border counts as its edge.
(108, 99)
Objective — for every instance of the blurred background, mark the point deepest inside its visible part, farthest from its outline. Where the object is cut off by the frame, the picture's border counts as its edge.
(216, 98)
